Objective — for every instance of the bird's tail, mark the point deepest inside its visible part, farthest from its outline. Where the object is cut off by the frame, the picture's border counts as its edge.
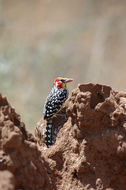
(48, 138)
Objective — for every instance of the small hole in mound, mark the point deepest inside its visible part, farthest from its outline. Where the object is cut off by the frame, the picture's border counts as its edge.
(101, 98)
(75, 174)
(96, 98)
(116, 115)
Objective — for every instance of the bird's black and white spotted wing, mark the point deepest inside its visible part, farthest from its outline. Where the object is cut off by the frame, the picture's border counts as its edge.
(54, 101)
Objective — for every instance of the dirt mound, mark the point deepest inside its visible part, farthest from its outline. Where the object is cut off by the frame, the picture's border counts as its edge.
(19, 153)
(89, 148)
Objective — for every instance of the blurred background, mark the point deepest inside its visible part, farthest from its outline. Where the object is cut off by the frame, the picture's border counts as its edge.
(43, 39)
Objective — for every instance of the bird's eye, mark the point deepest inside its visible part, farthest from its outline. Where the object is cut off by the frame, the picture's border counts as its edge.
(62, 80)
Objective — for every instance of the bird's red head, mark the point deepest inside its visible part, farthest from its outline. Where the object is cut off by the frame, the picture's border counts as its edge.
(61, 82)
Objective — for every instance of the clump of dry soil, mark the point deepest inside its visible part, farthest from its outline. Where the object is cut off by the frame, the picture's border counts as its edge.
(89, 150)
(19, 153)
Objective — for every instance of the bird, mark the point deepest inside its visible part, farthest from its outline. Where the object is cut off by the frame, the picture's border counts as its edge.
(58, 95)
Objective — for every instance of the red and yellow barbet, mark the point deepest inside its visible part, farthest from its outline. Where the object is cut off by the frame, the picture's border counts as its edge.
(54, 101)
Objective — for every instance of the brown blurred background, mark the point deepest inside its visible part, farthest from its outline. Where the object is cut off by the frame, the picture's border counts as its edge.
(42, 39)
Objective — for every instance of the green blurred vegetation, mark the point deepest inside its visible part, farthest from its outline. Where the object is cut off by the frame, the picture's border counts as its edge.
(43, 39)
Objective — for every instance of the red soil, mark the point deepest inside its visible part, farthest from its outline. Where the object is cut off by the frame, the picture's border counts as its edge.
(90, 148)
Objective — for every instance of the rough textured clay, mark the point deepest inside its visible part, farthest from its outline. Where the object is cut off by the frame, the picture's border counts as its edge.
(89, 151)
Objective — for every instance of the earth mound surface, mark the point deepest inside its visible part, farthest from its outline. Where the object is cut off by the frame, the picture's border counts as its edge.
(89, 149)
(19, 154)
